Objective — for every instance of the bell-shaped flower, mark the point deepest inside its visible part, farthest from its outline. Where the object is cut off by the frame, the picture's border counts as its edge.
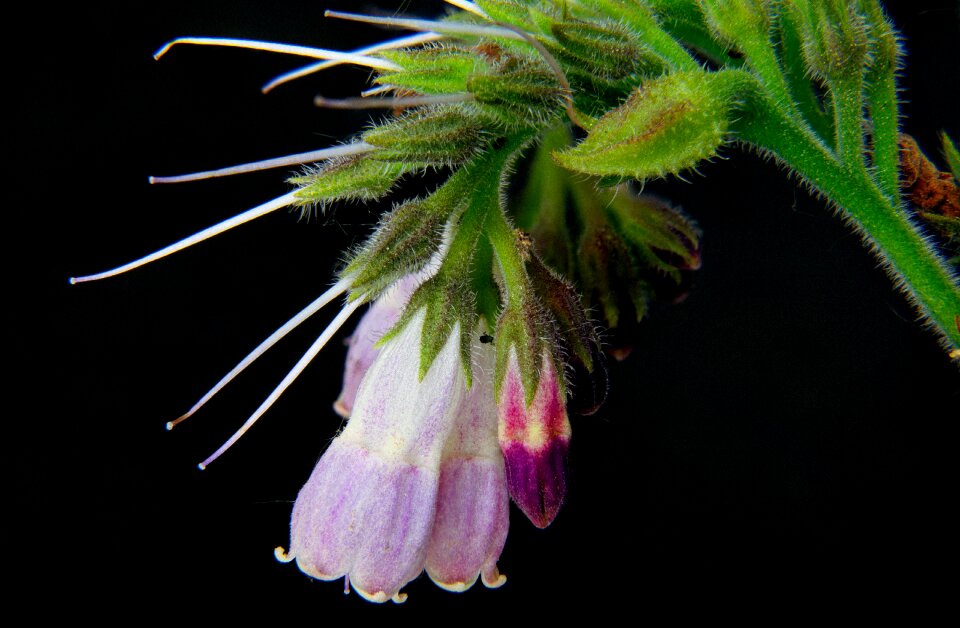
(363, 349)
(414, 481)
(534, 440)
(472, 506)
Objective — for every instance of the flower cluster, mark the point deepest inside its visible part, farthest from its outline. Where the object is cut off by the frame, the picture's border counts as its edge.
(416, 480)
(457, 378)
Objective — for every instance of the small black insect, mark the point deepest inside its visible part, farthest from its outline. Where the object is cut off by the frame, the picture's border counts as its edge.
(486, 339)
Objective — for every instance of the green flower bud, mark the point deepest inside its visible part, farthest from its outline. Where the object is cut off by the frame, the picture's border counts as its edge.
(518, 93)
(605, 49)
(403, 243)
(444, 136)
(667, 125)
(354, 178)
(732, 21)
(835, 37)
(441, 69)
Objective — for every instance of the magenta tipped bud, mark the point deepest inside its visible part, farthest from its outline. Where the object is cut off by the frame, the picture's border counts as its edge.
(534, 440)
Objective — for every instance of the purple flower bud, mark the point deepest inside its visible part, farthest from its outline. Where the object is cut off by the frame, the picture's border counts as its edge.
(534, 440)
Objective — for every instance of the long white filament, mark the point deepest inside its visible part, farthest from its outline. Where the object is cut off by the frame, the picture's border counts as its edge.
(290, 49)
(406, 41)
(468, 6)
(200, 236)
(298, 368)
(449, 28)
(336, 290)
(399, 102)
(355, 148)
(375, 91)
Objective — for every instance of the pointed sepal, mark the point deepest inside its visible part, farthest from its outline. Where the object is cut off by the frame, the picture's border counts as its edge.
(443, 136)
(352, 178)
(576, 334)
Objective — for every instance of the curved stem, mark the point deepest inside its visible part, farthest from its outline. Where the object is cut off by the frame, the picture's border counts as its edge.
(910, 259)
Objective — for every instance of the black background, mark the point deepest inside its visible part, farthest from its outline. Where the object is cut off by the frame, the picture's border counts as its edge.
(788, 432)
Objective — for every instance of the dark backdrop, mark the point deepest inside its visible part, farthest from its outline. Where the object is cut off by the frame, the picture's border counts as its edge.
(788, 431)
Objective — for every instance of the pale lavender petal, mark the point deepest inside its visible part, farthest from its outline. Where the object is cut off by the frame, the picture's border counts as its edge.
(323, 529)
(472, 506)
(401, 416)
(471, 525)
(396, 527)
(378, 320)
(368, 509)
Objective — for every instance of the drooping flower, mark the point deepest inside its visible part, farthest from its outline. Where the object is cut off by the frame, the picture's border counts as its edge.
(473, 505)
(414, 481)
(363, 350)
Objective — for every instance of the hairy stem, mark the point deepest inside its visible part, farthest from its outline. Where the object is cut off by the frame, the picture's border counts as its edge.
(915, 266)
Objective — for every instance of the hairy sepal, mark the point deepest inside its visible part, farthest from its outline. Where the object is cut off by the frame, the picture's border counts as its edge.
(517, 93)
(442, 136)
(355, 178)
(404, 242)
(441, 69)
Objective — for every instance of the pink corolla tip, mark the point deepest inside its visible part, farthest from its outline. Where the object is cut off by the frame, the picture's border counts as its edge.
(534, 440)
(414, 482)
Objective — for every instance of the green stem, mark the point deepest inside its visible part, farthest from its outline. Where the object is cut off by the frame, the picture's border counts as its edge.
(795, 72)
(763, 61)
(848, 120)
(882, 104)
(485, 214)
(910, 259)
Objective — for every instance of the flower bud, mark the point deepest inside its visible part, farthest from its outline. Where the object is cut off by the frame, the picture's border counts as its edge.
(436, 137)
(669, 124)
(534, 439)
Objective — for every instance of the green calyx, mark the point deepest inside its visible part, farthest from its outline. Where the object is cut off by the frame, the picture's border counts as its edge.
(656, 87)
(621, 249)
(404, 242)
(462, 289)
(442, 136)
(354, 178)
(605, 49)
(433, 70)
(517, 93)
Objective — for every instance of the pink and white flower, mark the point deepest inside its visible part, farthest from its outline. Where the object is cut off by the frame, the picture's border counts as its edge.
(363, 350)
(415, 481)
